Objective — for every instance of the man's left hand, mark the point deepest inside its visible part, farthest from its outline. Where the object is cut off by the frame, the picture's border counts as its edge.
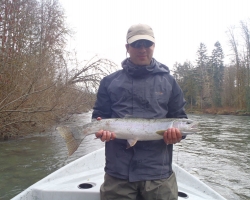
(172, 136)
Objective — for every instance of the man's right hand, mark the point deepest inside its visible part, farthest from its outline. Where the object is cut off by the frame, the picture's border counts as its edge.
(104, 135)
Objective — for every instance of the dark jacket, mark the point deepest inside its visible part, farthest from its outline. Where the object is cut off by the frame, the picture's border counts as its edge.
(143, 92)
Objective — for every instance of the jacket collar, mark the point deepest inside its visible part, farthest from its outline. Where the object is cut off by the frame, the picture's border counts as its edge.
(141, 71)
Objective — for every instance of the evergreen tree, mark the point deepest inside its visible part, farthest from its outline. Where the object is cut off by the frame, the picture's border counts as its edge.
(217, 74)
(185, 77)
(202, 77)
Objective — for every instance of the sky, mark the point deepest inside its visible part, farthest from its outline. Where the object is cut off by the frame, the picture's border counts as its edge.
(179, 26)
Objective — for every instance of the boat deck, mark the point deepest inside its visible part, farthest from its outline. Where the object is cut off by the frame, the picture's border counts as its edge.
(82, 179)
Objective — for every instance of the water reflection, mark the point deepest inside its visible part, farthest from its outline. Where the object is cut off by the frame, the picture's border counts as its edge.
(218, 155)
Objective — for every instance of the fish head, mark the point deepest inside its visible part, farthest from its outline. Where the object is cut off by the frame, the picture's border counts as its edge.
(186, 126)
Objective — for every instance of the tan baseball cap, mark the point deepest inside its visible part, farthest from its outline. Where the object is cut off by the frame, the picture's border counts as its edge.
(140, 32)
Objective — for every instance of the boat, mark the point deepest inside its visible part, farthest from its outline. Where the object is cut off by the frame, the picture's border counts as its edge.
(82, 178)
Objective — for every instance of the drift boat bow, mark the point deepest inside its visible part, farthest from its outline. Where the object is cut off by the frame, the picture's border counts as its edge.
(82, 178)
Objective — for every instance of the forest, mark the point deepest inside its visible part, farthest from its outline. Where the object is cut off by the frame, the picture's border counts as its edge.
(42, 83)
(211, 86)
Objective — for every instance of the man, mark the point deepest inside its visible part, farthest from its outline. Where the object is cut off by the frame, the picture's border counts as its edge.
(144, 88)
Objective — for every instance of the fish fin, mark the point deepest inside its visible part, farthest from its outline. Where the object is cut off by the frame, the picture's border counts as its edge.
(131, 142)
(72, 142)
(161, 132)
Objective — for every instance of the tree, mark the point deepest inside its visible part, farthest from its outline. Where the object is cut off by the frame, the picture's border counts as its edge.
(217, 74)
(240, 86)
(203, 77)
(229, 98)
(37, 88)
(246, 38)
(185, 76)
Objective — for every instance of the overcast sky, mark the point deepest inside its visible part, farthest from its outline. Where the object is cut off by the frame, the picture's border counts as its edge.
(179, 26)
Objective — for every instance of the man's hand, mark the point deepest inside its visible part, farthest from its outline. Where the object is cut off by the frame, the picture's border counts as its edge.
(172, 136)
(104, 135)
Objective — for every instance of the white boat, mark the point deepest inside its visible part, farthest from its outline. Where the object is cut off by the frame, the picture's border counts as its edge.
(82, 178)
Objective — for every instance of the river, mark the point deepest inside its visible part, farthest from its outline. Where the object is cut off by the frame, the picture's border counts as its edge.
(218, 155)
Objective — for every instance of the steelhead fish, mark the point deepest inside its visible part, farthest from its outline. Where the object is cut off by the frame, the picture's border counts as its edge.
(131, 129)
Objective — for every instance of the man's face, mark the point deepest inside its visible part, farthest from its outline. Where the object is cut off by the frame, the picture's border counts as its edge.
(140, 52)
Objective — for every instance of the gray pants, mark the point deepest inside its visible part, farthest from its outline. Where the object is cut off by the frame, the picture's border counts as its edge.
(114, 188)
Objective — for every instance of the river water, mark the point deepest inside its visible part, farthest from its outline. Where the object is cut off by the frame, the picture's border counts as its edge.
(218, 155)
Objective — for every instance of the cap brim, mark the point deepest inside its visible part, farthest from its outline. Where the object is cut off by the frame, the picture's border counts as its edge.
(140, 37)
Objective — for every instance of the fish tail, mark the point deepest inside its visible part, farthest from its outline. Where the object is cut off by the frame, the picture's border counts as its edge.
(70, 140)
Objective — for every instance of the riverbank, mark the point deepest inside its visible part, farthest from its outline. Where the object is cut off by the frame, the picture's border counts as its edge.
(219, 111)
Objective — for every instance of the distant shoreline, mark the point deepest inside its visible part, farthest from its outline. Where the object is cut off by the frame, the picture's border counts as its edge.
(220, 111)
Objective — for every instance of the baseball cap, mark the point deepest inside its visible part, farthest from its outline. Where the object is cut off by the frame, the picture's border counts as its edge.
(140, 32)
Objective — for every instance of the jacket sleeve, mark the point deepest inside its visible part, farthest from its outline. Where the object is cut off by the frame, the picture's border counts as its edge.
(102, 107)
(176, 102)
